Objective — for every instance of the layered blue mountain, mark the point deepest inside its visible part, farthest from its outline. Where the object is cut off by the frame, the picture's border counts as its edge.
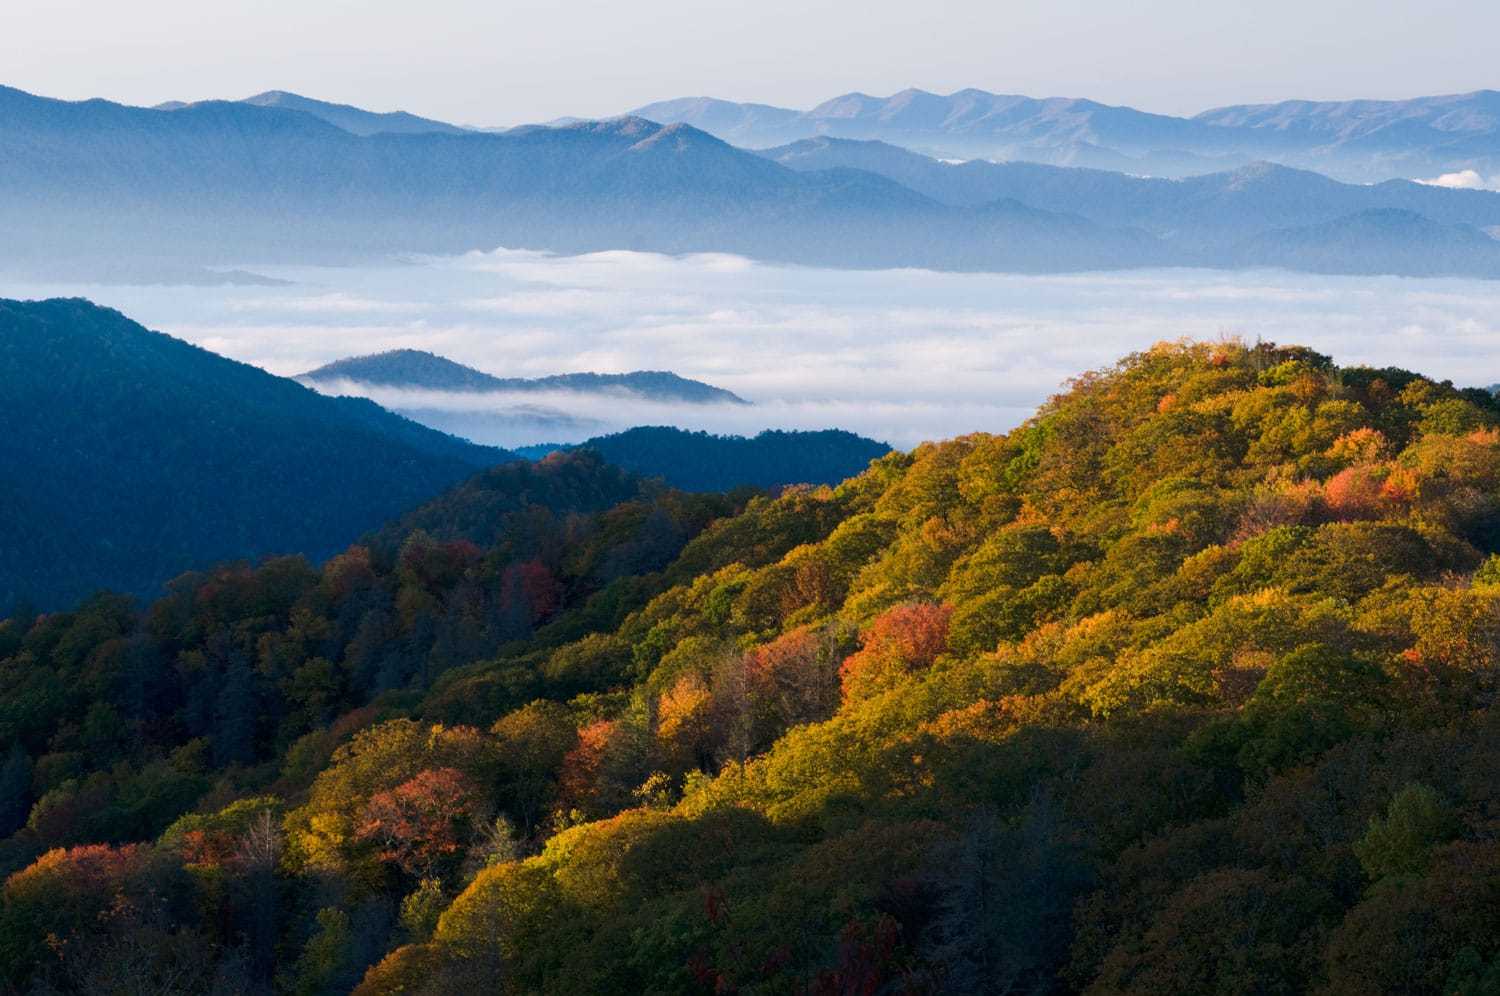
(1387, 240)
(1452, 128)
(1210, 219)
(221, 182)
(416, 369)
(1362, 140)
(968, 123)
(129, 457)
(218, 183)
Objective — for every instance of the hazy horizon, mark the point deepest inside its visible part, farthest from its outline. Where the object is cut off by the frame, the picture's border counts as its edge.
(471, 63)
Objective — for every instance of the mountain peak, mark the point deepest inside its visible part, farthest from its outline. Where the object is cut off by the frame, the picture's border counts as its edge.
(350, 118)
(273, 97)
(681, 137)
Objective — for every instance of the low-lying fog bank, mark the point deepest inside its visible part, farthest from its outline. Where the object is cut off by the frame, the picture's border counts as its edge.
(900, 356)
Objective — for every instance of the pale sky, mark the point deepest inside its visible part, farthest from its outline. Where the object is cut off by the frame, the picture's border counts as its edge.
(493, 62)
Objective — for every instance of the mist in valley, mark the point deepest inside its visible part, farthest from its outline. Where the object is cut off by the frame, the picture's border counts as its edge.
(898, 355)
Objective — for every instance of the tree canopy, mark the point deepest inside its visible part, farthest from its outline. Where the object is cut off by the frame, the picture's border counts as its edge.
(1185, 685)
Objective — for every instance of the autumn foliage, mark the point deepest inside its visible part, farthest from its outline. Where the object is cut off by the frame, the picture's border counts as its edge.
(1187, 684)
(900, 640)
(424, 823)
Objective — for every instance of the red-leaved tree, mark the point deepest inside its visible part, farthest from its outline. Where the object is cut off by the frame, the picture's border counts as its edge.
(902, 639)
(424, 824)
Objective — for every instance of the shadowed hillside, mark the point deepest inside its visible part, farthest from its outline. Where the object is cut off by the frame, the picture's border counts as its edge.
(129, 457)
(702, 461)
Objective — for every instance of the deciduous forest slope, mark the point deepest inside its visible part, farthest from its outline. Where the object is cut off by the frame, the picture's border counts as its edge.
(1186, 685)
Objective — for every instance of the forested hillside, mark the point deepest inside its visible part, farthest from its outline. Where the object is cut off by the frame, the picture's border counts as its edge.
(1186, 685)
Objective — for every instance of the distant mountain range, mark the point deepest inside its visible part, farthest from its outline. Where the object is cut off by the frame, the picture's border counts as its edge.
(222, 182)
(701, 461)
(417, 369)
(1235, 199)
(129, 457)
(217, 183)
(1356, 140)
(1360, 140)
(1262, 214)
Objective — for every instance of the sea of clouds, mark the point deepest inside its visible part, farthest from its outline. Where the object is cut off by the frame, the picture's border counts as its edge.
(900, 355)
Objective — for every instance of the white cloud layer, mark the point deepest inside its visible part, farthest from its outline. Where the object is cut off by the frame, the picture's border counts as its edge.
(1466, 179)
(901, 355)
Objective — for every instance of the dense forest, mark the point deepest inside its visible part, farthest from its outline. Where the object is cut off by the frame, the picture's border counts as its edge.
(1185, 685)
(703, 461)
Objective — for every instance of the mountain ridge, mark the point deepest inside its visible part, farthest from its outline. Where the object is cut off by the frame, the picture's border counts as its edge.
(1359, 141)
(276, 178)
(222, 182)
(420, 369)
(355, 120)
(1199, 212)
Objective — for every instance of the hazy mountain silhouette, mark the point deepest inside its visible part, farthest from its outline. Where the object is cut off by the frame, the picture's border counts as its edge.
(1361, 140)
(969, 123)
(420, 370)
(1387, 240)
(355, 120)
(1193, 214)
(225, 181)
(1463, 123)
(221, 182)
